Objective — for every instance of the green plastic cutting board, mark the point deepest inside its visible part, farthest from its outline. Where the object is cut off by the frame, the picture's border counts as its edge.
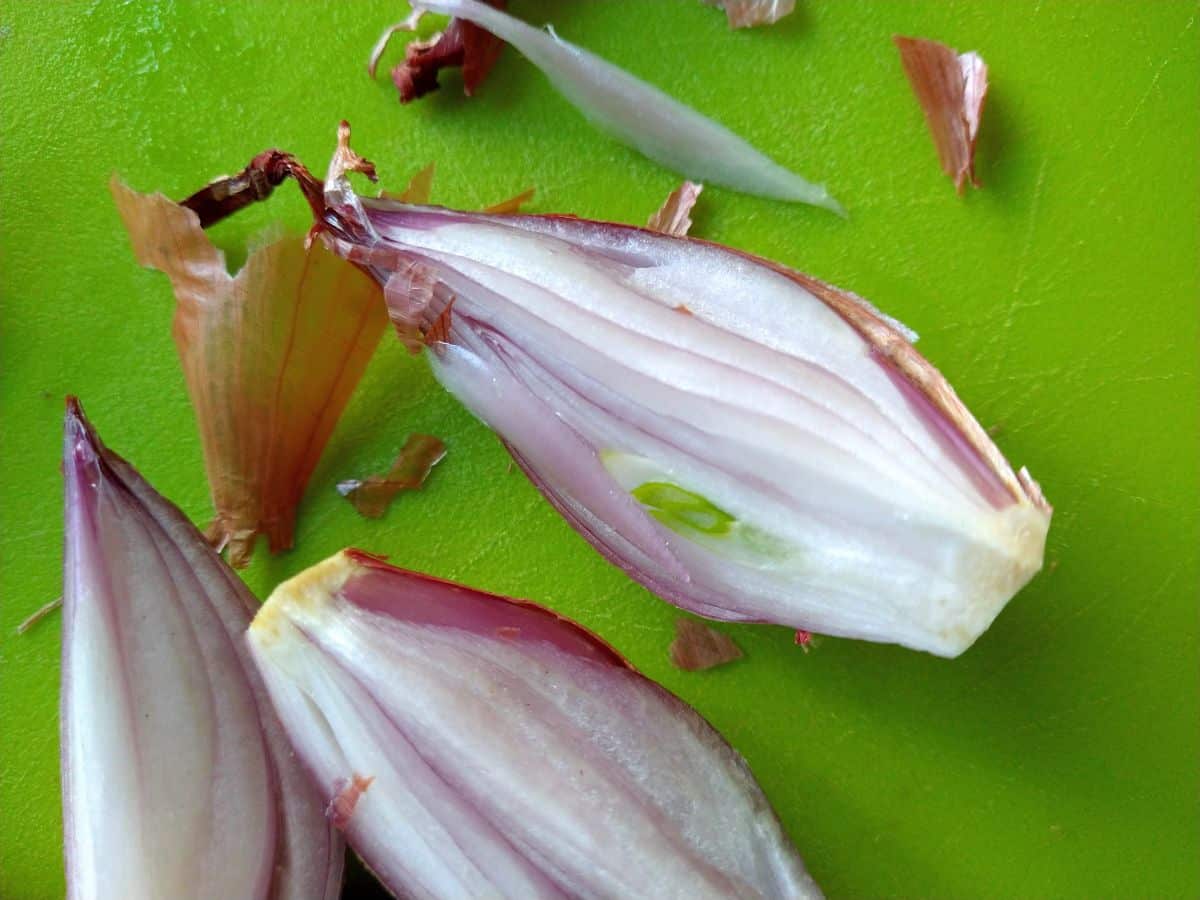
(1058, 757)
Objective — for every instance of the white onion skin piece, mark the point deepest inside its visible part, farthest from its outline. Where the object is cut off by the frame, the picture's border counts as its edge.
(799, 409)
(642, 116)
(510, 753)
(178, 780)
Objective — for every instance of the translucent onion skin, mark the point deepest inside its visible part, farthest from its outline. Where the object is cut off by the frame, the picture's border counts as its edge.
(477, 746)
(642, 116)
(747, 442)
(178, 780)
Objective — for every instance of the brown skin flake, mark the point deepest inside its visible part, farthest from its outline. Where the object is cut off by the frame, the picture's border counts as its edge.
(345, 799)
(373, 495)
(951, 88)
(674, 216)
(697, 647)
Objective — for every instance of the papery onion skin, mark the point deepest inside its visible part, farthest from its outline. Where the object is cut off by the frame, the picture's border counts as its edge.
(177, 778)
(508, 752)
(270, 356)
(462, 45)
(867, 500)
(675, 215)
(951, 89)
(698, 647)
(751, 13)
(372, 495)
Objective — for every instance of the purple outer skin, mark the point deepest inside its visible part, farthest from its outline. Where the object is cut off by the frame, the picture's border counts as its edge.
(301, 828)
(440, 603)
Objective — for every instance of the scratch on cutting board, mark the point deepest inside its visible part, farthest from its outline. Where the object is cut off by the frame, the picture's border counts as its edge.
(1015, 302)
(500, 538)
(1034, 211)
(1146, 94)
(1167, 60)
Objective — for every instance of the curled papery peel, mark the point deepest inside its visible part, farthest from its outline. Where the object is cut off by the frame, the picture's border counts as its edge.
(372, 495)
(271, 357)
(746, 441)
(508, 752)
(178, 780)
(951, 88)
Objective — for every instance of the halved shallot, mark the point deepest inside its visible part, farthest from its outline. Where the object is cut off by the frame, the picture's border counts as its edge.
(748, 442)
(177, 778)
(477, 746)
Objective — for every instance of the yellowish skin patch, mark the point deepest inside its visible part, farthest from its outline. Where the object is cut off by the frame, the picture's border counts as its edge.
(310, 590)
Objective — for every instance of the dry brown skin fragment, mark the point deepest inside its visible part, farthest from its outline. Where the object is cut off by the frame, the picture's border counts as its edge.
(748, 13)
(419, 190)
(697, 647)
(674, 216)
(38, 614)
(372, 496)
(345, 797)
(270, 356)
(462, 45)
(512, 204)
(951, 89)
(346, 160)
(439, 331)
(413, 283)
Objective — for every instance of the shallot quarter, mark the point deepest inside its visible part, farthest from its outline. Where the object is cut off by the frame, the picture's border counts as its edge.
(476, 746)
(746, 441)
(178, 780)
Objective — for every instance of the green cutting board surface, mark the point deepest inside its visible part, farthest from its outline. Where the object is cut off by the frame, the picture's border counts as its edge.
(1058, 757)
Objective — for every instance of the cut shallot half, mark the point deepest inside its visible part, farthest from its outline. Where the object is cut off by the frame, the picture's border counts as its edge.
(270, 356)
(476, 746)
(636, 113)
(781, 453)
(178, 780)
